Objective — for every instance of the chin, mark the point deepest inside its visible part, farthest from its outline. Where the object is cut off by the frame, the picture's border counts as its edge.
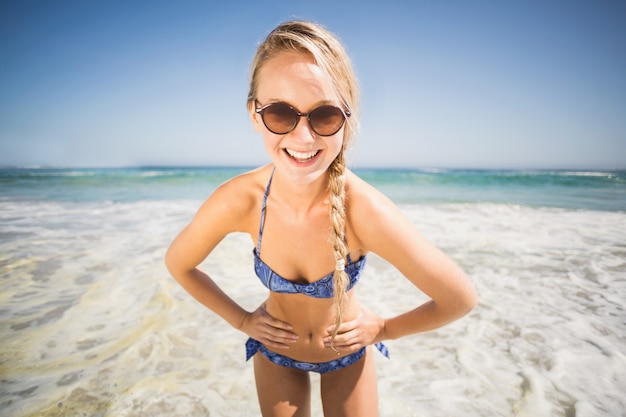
(302, 175)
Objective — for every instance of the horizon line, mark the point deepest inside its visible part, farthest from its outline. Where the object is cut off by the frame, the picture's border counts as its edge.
(355, 167)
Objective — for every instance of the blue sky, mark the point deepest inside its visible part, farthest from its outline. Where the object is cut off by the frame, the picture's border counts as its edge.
(450, 84)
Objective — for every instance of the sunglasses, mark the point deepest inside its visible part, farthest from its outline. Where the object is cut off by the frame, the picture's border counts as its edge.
(280, 118)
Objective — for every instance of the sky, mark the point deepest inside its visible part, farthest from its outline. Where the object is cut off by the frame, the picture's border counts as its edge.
(445, 84)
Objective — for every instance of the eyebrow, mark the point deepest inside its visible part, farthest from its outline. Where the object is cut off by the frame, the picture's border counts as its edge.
(316, 105)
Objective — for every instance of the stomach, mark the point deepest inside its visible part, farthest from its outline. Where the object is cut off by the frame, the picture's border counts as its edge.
(310, 318)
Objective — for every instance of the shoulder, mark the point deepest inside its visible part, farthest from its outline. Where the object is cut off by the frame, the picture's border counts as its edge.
(233, 202)
(371, 214)
(364, 200)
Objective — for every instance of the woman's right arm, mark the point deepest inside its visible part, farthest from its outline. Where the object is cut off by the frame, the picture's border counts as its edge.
(220, 215)
(226, 211)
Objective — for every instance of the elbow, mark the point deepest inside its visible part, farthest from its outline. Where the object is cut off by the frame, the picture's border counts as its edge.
(467, 301)
(170, 262)
(460, 299)
(167, 260)
(177, 265)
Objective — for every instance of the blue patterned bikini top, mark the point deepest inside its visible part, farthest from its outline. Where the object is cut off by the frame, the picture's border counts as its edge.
(322, 288)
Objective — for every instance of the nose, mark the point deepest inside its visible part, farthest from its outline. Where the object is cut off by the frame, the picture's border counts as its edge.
(303, 131)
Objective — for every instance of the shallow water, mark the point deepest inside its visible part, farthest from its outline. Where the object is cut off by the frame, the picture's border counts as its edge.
(91, 323)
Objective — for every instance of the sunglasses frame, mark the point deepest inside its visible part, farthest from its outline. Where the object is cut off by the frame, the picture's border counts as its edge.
(261, 111)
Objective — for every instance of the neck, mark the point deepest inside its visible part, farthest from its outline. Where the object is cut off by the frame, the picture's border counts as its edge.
(301, 198)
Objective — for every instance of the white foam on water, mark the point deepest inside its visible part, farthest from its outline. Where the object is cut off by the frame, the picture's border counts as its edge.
(92, 323)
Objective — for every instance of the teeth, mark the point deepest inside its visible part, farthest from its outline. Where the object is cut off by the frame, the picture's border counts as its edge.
(301, 155)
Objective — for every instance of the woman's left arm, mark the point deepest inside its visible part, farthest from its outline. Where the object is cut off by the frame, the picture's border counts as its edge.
(388, 233)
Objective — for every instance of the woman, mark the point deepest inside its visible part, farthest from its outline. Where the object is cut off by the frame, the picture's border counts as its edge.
(309, 215)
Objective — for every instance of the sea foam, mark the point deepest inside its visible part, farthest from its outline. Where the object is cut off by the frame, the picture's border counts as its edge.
(93, 323)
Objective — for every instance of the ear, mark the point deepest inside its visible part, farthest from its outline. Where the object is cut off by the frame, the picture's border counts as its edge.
(255, 117)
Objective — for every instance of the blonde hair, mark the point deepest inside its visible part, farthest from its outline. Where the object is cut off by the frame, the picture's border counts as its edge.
(330, 55)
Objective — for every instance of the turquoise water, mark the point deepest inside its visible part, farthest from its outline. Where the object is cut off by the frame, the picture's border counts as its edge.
(595, 190)
(598, 190)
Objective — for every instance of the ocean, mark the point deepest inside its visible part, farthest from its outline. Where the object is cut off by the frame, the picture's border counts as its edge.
(91, 323)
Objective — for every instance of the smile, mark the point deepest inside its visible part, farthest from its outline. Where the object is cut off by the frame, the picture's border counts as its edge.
(302, 156)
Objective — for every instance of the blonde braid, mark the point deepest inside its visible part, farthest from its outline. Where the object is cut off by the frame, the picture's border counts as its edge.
(337, 181)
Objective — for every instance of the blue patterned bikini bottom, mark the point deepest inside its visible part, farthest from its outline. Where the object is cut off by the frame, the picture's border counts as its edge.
(253, 346)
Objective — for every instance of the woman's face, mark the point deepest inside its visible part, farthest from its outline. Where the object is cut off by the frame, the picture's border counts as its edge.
(295, 79)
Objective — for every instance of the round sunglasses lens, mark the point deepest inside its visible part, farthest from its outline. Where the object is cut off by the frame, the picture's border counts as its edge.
(279, 118)
(326, 120)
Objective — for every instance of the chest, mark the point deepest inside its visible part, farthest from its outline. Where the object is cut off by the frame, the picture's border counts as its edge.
(299, 248)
